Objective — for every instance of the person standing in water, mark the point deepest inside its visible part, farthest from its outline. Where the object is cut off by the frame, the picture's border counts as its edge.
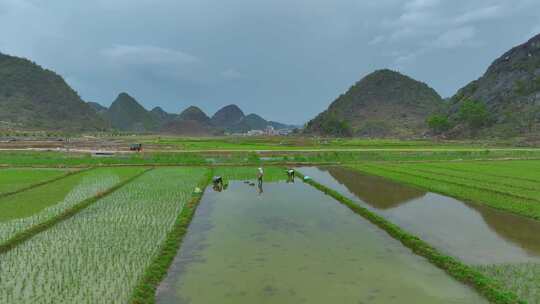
(260, 175)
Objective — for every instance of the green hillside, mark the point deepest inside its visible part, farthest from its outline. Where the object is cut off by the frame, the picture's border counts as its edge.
(35, 98)
(383, 104)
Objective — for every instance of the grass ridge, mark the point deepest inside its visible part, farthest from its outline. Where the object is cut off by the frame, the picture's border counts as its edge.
(43, 183)
(487, 287)
(145, 291)
(25, 235)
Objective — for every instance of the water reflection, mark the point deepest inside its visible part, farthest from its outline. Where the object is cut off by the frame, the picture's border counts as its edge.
(378, 192)
(296, 245)
(475, 233)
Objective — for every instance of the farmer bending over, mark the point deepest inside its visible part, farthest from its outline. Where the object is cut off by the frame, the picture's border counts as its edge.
(218, 183)
(290, 175)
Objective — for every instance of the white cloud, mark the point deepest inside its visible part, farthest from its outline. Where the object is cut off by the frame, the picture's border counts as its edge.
(146, 54)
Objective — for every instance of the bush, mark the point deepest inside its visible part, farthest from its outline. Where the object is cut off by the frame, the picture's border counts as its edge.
(335, 126)
(438, 123)
(473, 113)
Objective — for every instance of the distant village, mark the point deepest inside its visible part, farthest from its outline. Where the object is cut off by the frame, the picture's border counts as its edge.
(268, 131)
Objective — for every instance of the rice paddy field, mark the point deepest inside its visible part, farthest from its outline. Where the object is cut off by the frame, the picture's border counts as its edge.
(491, 226)
(364, 227)
(13, 180)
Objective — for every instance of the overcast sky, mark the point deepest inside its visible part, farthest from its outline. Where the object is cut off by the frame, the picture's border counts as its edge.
(283, 59)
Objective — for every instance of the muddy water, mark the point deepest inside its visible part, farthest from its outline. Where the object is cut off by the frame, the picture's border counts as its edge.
(292, 244)
(475, 233)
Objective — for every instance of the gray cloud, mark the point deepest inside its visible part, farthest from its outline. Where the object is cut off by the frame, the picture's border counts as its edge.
(284, 59)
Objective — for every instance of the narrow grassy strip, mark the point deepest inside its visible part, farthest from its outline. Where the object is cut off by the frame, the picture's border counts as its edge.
(5, 194)
(529, 209)
(489, 288)
(66, 214)
(145, 291)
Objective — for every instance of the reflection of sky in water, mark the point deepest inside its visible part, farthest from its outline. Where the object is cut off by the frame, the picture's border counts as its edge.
(292, 244)
(475, 233)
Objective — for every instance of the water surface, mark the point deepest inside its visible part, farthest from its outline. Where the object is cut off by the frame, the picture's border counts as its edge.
(293, 244)
(475, 233)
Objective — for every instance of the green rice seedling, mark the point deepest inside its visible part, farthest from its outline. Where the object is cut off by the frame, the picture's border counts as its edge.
(499, 186)
(271, 174)
(522, 170)
(100, 254)
(16, 179)
(523, 279)
(25, 210)
(465, 190)
(484, 175)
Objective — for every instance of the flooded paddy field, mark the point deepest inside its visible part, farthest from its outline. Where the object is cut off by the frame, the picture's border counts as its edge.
(475, 233)
(289, 243)
(500, 244)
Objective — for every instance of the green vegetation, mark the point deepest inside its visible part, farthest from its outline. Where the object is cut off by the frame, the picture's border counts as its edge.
(126, 114)
(271, 174)
(298, 143)
(382, 104)
(438, 123)
(145, 291)
(101, 253)
(59, 159)
(17, 179)
(33, 97)
(473, 113)
(488, 287)
(510, 185)
(21, 236)
(30, 208)
(523, 279)
(330, 124)
(394, 151)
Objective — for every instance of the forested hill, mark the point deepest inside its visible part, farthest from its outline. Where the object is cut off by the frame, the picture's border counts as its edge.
(384, 103)
(505, 101)
(35, 98)
(127, 114)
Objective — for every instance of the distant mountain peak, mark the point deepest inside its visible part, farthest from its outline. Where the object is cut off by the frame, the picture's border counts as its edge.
(127, 114)
(227, 116)
(194, 113)
(158, 109)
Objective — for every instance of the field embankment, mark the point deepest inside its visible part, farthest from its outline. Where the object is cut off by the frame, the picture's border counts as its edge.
(51, 159)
